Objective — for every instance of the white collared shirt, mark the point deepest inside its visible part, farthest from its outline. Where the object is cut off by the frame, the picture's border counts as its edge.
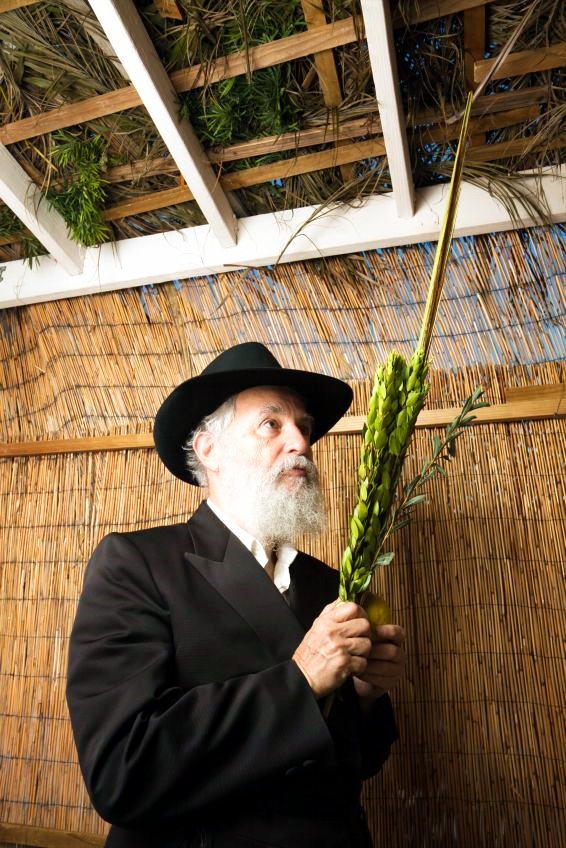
(285, 553)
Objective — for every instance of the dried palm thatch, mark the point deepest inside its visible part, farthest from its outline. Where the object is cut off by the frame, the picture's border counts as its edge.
(274, 128)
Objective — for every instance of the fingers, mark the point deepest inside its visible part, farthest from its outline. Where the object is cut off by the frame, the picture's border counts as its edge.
(341, 643)
(389, 633)
(385, 664)
(336, 647)
(343, 611)
(389, 648)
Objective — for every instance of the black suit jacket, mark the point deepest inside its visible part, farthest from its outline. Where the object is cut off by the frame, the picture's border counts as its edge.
(190, 718)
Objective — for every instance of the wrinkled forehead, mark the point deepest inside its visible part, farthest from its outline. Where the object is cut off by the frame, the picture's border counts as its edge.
(275, 398)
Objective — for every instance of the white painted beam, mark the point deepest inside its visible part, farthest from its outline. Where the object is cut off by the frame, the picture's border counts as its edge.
(29, 204)
(301, 234)
(128, 36)
(379, 35)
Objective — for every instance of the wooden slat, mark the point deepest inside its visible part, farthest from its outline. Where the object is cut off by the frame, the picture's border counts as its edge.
(262, 56)
(496, 121)
(10, 5)
(527, 404)
(308, 162)
(429, 10)
(326, 69)
(523, 62)
(252, 176)
(50, 447)
(489, 103)
(523, 404)
(324, 60)
(505, 149)
(43, 837)
(488, 107)
(539, 395)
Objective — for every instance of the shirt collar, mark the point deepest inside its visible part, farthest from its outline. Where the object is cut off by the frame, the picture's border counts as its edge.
(285, 553)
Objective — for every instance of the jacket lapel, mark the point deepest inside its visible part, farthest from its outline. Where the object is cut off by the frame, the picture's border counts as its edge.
(312, 587)
(236, 575)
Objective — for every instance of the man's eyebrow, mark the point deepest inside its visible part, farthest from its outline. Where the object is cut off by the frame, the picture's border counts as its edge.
(274, 408)
(279, 409)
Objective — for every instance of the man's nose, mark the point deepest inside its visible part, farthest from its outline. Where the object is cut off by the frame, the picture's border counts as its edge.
(298, 440)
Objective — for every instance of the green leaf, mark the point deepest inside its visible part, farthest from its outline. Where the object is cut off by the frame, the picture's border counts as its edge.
(361, 511)
(384, 559)
(394, 444)
(398, 525)
(414, 501)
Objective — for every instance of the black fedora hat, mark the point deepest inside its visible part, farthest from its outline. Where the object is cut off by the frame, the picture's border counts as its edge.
(241, 367)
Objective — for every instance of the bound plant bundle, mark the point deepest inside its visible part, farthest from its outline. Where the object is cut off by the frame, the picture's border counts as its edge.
(399, 393)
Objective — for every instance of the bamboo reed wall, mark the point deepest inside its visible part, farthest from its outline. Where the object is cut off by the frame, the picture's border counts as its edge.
(478, 579)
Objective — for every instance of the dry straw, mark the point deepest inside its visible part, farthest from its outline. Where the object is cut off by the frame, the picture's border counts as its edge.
(478, 583)
(478, 579)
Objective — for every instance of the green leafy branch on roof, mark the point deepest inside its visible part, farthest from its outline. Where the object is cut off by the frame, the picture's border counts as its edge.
(80, 194)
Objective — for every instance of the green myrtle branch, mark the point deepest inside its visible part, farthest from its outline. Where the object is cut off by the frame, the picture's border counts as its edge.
(443, 451)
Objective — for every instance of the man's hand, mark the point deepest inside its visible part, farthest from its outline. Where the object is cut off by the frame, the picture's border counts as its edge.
(385, 664)
(336, 647)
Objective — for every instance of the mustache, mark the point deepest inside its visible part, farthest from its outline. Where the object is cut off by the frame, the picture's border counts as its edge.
(290, 463)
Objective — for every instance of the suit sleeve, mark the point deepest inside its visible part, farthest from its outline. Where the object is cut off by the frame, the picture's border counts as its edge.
(148, 750)
(379, 732)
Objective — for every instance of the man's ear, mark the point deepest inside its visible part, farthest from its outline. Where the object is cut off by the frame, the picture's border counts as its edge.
(204, 445)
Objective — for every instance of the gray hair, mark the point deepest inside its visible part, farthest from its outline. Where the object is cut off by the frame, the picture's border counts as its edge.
(215, 423)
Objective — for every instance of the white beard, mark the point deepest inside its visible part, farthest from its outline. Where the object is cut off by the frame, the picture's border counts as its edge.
(276, 509)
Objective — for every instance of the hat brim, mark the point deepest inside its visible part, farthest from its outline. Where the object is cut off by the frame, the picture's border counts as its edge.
(325, 398)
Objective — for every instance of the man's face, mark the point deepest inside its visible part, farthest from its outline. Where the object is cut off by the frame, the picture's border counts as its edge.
(265, 477)
(271, 428)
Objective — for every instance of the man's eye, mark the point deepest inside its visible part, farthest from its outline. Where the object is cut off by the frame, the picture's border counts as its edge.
(271, 424)
(306, 427)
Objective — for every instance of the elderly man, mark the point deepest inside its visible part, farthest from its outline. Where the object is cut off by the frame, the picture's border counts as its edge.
(203, 653)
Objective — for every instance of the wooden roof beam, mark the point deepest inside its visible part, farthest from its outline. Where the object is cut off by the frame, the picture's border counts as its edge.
(295, 235)
(29, 204)
(379, 35)
(522, 62)
(129, 38)
(326, 69)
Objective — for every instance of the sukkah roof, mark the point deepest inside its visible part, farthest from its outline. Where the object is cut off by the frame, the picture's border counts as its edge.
(122, 120)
